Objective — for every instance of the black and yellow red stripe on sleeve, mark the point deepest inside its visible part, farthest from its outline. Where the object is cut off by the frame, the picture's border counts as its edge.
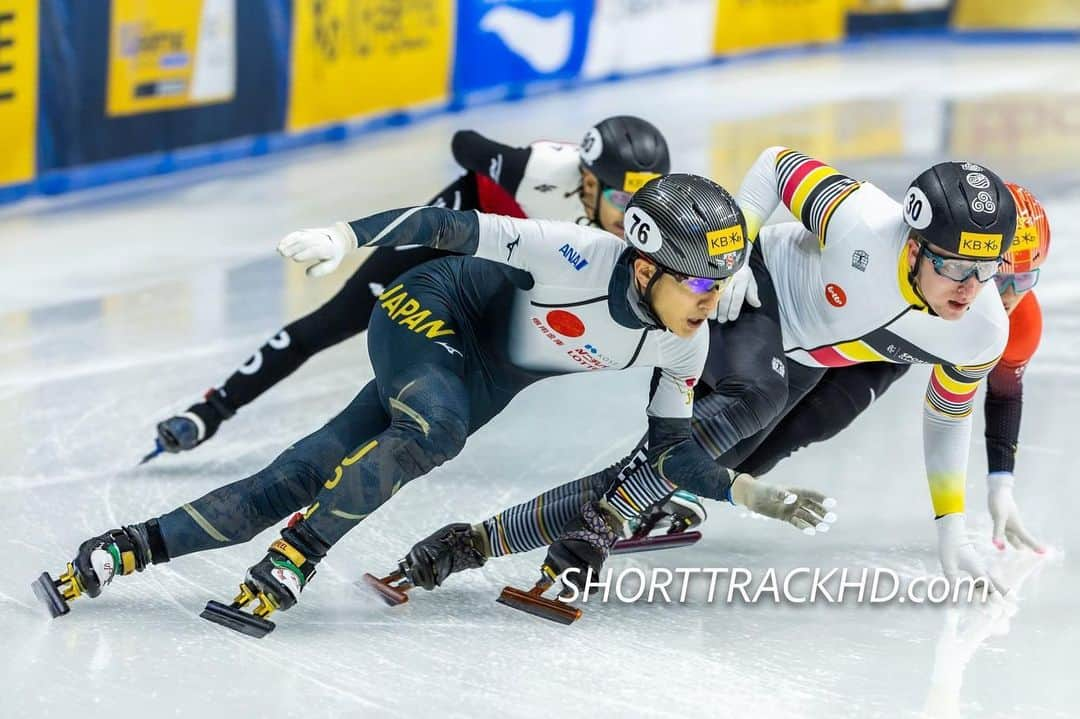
(951, 390)
(811, 190)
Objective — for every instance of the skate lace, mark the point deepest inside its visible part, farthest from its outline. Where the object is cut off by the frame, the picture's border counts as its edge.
(596, 531)
(463, 553)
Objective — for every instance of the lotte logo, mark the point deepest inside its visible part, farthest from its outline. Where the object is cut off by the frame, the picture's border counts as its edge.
(835, 295)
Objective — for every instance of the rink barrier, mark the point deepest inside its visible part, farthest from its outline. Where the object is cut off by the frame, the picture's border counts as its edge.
(59, 181)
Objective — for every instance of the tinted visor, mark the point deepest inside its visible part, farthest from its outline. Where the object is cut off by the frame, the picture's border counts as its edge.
(959, 270)
(1020, 281)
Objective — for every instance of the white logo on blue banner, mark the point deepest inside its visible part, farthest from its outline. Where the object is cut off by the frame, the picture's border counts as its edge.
(543, 42)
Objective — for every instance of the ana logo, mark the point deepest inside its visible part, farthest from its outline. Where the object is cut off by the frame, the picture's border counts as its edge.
(723, 241)
(544, 188)
(859, 260)
(565, 323)
(835, 295)
(970, 167)
(573, 257)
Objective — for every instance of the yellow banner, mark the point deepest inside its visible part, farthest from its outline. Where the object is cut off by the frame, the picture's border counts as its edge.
(1017, 133)
(18, 89)
(170, 55)
(357, 57)
(877, 7)
(837, 132)
(1019, 14)
(743, 25)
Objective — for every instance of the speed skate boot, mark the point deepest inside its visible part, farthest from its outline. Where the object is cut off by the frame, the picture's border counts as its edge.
(452, 549)
(667, 526)
(583, 544)
(192, 427)
(98, 561)
(273, 583)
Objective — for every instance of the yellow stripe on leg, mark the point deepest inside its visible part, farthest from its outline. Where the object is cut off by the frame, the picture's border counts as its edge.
(204, 523)
(946, 493)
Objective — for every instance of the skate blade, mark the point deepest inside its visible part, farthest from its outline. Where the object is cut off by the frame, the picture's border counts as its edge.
(45, 590)
(652, 544)
(158, 449)
(237, 619)
(531, 603)
(394, 596)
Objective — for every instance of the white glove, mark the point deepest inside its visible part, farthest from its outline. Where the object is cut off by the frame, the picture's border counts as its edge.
(742, 288)
(805, 509)
(958, 553)
(1006, 514)
(328, 245)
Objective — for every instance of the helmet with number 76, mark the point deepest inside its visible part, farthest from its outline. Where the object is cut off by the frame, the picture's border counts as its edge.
(688, 225)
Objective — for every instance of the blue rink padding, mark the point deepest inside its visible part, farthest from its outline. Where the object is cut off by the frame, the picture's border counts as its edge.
(59, 181)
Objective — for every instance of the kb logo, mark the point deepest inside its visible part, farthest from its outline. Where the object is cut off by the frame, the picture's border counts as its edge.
(973, 246)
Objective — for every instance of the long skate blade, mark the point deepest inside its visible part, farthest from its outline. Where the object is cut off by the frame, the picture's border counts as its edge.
(393, 596)
(550, 609)
(652, 544)
(158, 449)
(45, 590)
(237, 619)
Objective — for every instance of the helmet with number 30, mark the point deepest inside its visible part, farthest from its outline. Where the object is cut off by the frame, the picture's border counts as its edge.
(962, 208)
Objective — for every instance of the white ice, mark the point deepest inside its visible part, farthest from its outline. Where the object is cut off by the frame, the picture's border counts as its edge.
(120, 306)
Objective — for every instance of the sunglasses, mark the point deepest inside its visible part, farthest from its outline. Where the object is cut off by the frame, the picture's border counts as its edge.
(958, 270)
(697, 285)
(618, 198)
(1020, 281)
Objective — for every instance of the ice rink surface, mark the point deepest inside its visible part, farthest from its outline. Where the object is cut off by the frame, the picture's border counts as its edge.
(122, 305)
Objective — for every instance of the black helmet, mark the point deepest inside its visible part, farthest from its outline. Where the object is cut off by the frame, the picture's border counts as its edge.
(688, 224)
(625, 152)
(962, 208)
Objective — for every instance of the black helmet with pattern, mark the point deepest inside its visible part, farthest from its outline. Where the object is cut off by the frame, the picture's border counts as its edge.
(689, 225)
(962, 208)
(625, 152)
